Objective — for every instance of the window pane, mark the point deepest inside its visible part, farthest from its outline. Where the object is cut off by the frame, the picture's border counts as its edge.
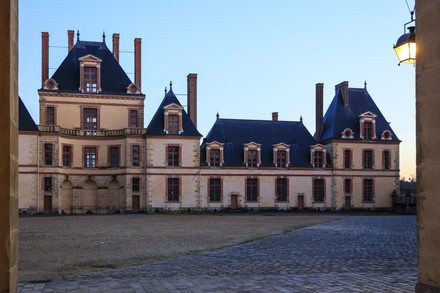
(133, 118)
(318, 159)
(67, 156)
(318, 190)
(386, 160)
(368, 190)
(368, 159)
(347, 185)
(90, 157)
(251, 189)
(281, 158)
(48, 154)
(173, 124)
(252, 158)
(135, 184)
(173, 189)
(368, 129)
(135, 155)
(281, 189)
(214, 189)
(48, 184)
(173, 156)
(90, 79)
(114, 157)
(50, 116)
(214, 158)
(90, 118)
(347, 159)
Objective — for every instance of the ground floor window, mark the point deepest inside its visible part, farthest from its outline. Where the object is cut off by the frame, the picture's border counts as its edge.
(215, 189)
(281, 189)
(318, 190)
(135, 186)
(48, 184)
(251, 189)
(368, 190)
(173, 189)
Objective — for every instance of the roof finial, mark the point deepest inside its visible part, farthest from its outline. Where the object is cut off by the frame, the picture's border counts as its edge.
(171, 85)
(301, 118)
(77, 35)
(218, 116)
(103, 36)
(365, 85)
(165, 90)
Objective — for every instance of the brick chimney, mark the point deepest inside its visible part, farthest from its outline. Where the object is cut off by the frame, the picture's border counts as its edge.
(116, 46)
(137, 61)
(192, 97)
(274, 116)
(344, 89)
(70, 37)
(44, 56)
(319, 109)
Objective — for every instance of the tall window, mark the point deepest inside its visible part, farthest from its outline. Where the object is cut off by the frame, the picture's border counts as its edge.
(386, 159)
(90, 157)
(48, 153)
(50, 116)
(173, 124)
(135, 155)
(90, 79)
(48, 184)
(173, 189)
(347, 185)
(318, 190)
(251, 189)
(281, 158)
(214, 157)
(114, 156)
(252, 158)
(318, 159)
(173, 155)
(134, 118)
(67, 156)
(347, 159)
(281, 189)
(135, 186)
(368, 192)
(215, 189)
(368, 159)
(368, 130)
(90, 118)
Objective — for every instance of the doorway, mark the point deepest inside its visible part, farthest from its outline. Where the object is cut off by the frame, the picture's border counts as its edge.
(300, 202)
(135, 203)
(47, 204)
(234, 201)
(347, 202)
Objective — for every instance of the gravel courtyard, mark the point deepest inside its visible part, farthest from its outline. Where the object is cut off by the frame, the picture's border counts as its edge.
(51, 247)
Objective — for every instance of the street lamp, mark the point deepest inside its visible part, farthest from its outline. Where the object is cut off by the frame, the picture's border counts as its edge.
(406, 45)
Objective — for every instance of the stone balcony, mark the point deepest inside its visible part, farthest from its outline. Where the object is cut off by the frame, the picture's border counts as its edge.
(87, 132)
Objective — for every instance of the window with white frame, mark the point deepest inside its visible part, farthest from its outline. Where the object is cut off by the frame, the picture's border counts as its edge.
(252, 154)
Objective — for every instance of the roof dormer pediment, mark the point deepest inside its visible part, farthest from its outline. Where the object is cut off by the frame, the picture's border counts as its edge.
(368, 114)
(90, 58)
(173, 106)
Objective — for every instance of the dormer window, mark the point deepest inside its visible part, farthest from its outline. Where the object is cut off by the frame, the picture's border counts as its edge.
(347, 133)
(252, 154)
(90, 74)
(386, 135)
(214, 154)
(318, 156)
(173, 119)
(367, 123)
(281, 155)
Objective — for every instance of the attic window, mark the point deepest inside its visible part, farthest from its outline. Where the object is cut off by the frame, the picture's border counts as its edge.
(173, 119)
(386, 135)
(347, 133)
(318, 156)
(214, 154)
(367, 122)
(281, 155)
(90, 74)
(252, 154)
(50, 84)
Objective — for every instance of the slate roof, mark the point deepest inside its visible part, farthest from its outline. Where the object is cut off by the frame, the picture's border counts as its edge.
(157, 122)
(25, 121)
(113, 77)
(234, 133)
(339, 117)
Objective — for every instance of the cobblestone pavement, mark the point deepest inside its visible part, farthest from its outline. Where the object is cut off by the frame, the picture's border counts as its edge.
(355, 254)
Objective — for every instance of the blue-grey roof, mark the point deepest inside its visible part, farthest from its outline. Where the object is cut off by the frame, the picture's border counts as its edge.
(113, 77)
(157, 123)
(234, 133)
(339, 117)
(25, 121)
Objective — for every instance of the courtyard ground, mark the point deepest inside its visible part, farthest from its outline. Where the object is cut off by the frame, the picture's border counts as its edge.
(59, 246)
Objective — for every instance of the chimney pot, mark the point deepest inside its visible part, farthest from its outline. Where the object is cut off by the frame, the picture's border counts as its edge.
(44, 56)
(70, 37)
(137, 61)
(192, 97)
(274, 116)
(116, 46)
(319, 109)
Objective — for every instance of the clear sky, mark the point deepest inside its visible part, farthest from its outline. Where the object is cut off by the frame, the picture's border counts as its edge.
(252, 57)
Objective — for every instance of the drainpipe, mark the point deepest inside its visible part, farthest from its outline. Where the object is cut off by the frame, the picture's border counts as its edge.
(38, 173)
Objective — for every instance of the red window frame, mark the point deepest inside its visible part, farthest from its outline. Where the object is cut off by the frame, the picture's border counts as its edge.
(252, 189)
(90, 78)
(215, 189)
(173, 189)
(368, 190)
(50, 115)
(281, 189)
(90, 118)
(133, 119)
(90, 156)
(67, 155)
(318, 190)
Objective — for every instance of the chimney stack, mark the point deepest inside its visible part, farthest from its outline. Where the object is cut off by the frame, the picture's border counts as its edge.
(70, 37)
(344, 89)
(44, 56)
(192, 97)
(137, 61)
(274, 116)
(116, 46)
(319, 109)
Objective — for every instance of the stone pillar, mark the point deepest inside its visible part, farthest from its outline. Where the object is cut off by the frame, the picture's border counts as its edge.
(427, 138)
(9, 145)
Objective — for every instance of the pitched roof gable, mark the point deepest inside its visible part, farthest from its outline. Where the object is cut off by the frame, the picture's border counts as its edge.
(157, 123)
(340, 117)
(25, 121)
(235, 133)
(113, 77)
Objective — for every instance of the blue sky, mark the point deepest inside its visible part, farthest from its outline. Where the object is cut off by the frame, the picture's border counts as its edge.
(252, 57)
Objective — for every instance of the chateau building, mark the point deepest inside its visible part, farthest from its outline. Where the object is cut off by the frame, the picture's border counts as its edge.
(91, 153)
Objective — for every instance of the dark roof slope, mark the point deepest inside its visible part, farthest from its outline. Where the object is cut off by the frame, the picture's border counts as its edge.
(25, 121)
(339, 117)
(234, 133)
(113, 77)
(157, 122)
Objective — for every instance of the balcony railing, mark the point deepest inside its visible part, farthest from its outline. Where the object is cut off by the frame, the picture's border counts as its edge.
(88, 132)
